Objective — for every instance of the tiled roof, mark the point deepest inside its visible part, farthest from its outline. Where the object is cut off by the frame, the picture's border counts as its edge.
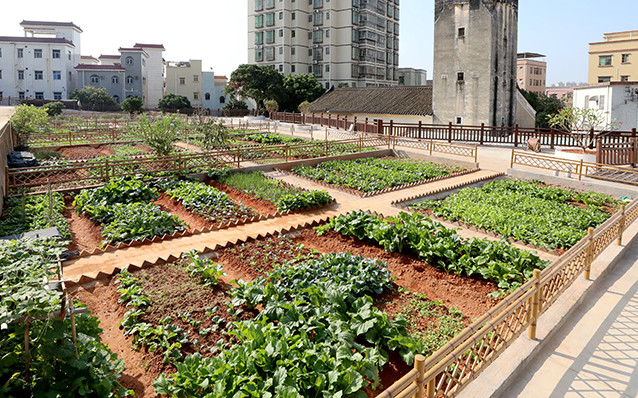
(99, 67)
(110, 56)
(221, 77)
(141, 45)
(43, 40)
(88, 57)
(415, 100)
(50, 23)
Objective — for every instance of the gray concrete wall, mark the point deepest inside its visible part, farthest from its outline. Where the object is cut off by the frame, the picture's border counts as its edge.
(485, 54)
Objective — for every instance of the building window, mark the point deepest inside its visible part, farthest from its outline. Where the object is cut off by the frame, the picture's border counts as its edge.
(222, 99)
(460, 76)
(259, 5)
(37, 75)
(293, 16)
(207, 96)
(318, 3)
(270, 19)
(21, 95)
(622, 78)
(57, 95)
(292, 33)
(37, 53)
(259, 54)
(259, 21)
(461, 33)
(196, 96)
(270, 36)
(317, 36)
(95, 79)
(604, 79)
(0, 57)
(625, 58)
(270, 54)
(182, 81)
(604, 60)
(259, 38)
(0, 73)
(129, 60)
(292, 68)
(57, 75)
(281, 15)
(281, 33)
(39, 95)
(318, 70)
(281, 50)
(20, 53)
(55, 53)
(318, 19)
(270, 3)
(195, 78)
(281, 68)
(459, 120)
(129, 79)
(115, 80)
(117, 98)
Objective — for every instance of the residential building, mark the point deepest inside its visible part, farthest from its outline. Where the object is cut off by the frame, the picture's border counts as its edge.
(475, 45)
(412, 77)
(185, 78)
(341, 42)
(109, 76)
(615, 59)
(213, 89)
(531, 73)
(154, 73)
(135, 83)
(563, 93)
(40, 65)
(399, 104)
(618, 101)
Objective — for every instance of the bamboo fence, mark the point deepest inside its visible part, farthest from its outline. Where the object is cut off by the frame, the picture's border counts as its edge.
(463, 358)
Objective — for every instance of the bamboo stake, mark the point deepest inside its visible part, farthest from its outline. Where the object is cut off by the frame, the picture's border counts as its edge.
(535, 298)
(622, 224)
(589, 258)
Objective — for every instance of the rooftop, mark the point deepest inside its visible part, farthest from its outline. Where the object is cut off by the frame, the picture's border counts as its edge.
(530, 55)
(43, 40)
(109, 56)
(412, 100)
(141, 45)
(25, 23)
(99, 67)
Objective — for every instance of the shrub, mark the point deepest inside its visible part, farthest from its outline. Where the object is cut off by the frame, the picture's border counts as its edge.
(160, 133)
(28, 119)
(90, 97)
(54, 108)
(133, 105)
(173, 101)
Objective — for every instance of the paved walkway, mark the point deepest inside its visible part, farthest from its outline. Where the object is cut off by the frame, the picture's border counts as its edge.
(595, 352)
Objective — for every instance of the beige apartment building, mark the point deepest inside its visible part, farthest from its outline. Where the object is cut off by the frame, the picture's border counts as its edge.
(185, 78)
(412, 77)
(531, 73)
(352, 43)
(615, 59)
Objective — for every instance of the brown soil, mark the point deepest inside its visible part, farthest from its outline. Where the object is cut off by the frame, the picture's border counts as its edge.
(469, 295)
(175, 207)
(86, 234)
(262, 206)
(85, 151)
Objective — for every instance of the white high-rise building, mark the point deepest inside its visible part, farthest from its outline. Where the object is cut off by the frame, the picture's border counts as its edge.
(340, 42)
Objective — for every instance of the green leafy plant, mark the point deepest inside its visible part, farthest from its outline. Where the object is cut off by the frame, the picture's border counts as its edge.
(158, 133)
(133, 105)
(38, 214)
(54, 108)
(27, 120)
(303, 200)
(136, 221)
(203, 268)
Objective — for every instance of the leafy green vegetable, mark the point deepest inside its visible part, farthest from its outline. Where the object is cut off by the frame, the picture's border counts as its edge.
(137, 221)
(374, 174)
(35, 216)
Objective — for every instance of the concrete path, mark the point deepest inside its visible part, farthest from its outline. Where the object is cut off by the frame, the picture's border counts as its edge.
(595, 352)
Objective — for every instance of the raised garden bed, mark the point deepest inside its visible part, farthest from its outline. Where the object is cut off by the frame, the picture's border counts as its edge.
(370, 176)
(528, 211)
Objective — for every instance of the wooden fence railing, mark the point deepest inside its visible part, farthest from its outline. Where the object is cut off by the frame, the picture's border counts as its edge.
(86, 173)
(455, 133)
(617, 153)
(577, 168)
(446, 372)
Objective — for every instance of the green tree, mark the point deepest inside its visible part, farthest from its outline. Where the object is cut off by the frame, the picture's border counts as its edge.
(256, 82)
(299, 88)
(271, 106)
(235, 103)
(159, 133)
(28, 119)
(305, 107)
(133, 105)
(543, 105)
(54, 108)
(173, 101)
(579, 121)
(92, 97)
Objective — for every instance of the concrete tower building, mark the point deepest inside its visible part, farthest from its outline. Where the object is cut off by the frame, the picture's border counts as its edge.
(351, 43)
(475, 44)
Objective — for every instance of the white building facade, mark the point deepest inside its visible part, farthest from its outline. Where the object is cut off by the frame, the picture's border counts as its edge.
(618, 101)
(352, 43)
(41, 64)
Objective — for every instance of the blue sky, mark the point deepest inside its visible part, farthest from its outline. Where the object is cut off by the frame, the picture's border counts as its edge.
(215, 30)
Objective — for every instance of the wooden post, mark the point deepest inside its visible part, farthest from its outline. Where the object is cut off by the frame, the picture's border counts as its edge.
(622, 224)
(591, 138)
(516, 135)
(552, 137)
(634, 160)
(326, 142)
(238, 157)
(535, 304)
(512, 160)
(286, 152)
(179, 163)
(431, 146)
(391, 128)
(580, 170)
(365, 128)
(590, 252)
(482, 136)
(106, 171)
(419, 133)
(419, 366)
(380, 126)
(431, 388)
(449, 135)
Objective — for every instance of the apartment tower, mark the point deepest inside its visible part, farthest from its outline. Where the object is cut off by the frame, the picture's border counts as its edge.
(352, 43)
(615, 59)
(475, 62)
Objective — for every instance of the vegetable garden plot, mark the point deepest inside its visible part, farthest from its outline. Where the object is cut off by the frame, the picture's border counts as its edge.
(374, 174)
(40, 211)
(525, 210)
